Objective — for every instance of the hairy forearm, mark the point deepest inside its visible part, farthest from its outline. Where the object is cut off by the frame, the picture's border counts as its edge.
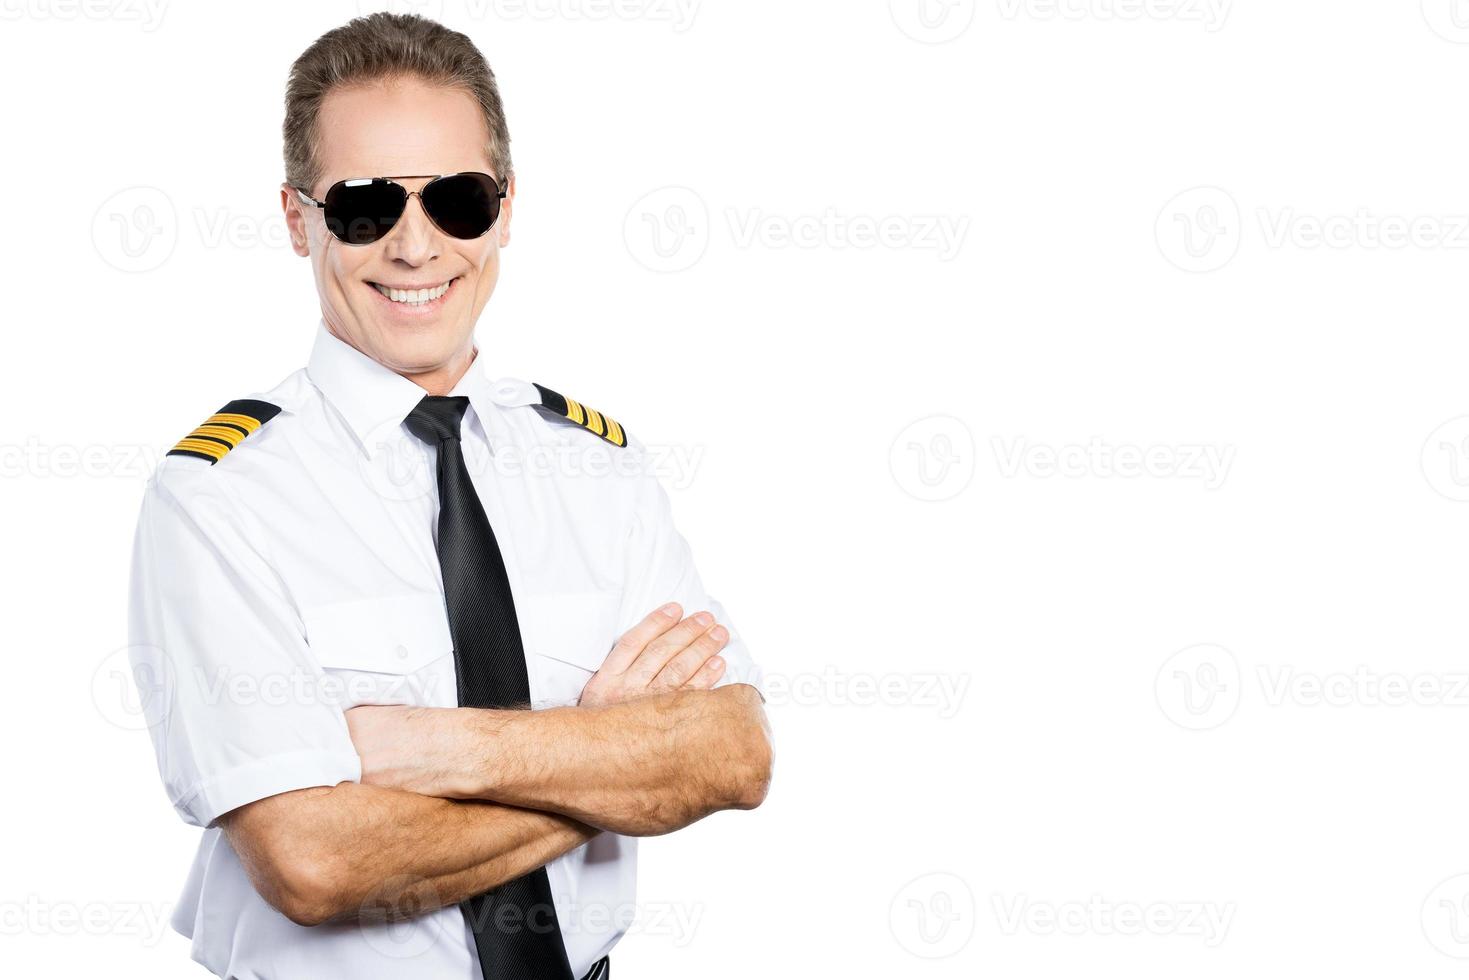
(642, 767)
(358, 852)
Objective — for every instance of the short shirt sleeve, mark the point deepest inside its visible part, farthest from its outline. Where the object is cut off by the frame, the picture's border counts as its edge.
(233, 700)
(661, 569)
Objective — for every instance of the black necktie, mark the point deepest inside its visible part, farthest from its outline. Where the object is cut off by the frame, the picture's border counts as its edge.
(515, 927)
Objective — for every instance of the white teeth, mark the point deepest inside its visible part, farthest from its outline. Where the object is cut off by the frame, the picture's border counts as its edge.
(413, 297)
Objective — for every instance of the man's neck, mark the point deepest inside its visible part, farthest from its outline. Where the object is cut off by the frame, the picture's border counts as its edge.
(437, 381)
(441, 380)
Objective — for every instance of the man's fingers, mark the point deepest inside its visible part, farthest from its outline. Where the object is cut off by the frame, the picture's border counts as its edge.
(653, 625)
(663, 648)
(687, 663)
(706, 676)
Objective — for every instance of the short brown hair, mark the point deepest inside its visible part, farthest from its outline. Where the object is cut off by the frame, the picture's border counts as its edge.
(378, 47)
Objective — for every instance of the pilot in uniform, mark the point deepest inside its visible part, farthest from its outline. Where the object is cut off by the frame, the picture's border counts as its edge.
(285, 570)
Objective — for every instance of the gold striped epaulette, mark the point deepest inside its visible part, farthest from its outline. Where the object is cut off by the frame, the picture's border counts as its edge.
(588, 418)
(225, 429)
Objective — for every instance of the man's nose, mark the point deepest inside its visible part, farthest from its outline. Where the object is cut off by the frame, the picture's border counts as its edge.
(414, 239)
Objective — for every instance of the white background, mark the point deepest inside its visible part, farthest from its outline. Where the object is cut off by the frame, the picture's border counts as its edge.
(952, 301)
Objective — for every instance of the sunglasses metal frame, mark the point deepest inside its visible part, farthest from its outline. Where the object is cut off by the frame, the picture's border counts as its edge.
(321, 205)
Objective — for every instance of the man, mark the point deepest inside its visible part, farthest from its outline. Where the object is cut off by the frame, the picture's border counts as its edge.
(347, 590)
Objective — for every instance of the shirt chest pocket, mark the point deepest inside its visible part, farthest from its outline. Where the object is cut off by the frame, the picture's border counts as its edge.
(567, 636)
(384, 650)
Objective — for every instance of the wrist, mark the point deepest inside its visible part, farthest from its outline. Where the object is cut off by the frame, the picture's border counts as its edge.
(473, 753)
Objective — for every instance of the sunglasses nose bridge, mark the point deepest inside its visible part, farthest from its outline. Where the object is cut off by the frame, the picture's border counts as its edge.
(411, 238)
(422, 205)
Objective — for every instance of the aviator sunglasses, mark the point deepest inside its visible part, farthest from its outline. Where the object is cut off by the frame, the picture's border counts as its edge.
(362, 210)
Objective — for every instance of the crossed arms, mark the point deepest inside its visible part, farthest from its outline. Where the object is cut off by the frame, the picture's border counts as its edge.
(455, 801)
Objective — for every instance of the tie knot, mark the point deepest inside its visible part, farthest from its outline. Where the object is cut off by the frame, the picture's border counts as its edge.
(437, 418)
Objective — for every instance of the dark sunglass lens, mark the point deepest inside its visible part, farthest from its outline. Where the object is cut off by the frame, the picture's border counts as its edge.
(462, 205)
(359, 212)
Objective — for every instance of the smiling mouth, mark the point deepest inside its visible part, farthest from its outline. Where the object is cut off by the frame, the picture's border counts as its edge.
(413, 297)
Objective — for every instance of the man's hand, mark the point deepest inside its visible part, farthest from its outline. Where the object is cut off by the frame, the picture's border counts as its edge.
(421, 749)
(649, 750)
(659, 655)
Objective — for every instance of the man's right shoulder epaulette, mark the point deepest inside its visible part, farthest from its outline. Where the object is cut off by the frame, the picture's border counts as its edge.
(583, 415)
(225, 429)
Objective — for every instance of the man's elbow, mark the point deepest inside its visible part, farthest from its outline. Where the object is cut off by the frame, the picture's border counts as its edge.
(755, 757)
(754, 784)
(301, 881)
(304, 889)
(309, 899)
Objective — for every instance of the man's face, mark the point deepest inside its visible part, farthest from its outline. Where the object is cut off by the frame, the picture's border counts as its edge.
(396, 128)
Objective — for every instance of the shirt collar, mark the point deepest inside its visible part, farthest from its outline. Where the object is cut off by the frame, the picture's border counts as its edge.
(479, 388)
(373, 400)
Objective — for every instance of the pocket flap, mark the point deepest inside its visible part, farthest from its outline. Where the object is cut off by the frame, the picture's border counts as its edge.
(392, 634)
(577, 628)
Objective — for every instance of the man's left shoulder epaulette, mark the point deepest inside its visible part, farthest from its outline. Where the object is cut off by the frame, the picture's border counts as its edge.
(586, 417)
(225, 429)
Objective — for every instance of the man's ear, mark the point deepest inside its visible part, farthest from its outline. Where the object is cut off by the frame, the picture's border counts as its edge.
(295, 221)
(502, 225)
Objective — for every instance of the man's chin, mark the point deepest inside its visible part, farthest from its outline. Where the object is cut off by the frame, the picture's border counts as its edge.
(419, 348)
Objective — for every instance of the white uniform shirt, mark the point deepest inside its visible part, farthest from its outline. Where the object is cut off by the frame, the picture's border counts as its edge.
(297, 577)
